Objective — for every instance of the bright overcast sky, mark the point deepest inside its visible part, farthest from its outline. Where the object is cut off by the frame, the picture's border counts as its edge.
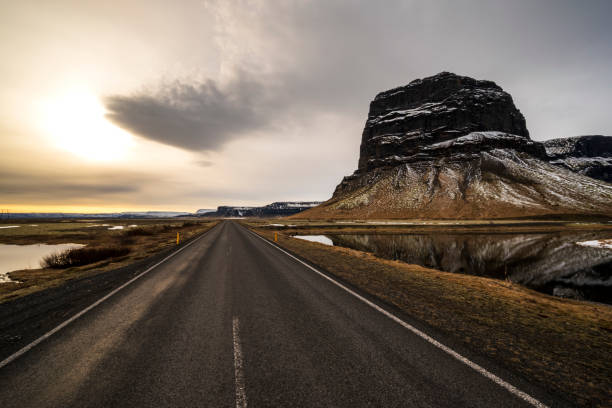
(136, 105)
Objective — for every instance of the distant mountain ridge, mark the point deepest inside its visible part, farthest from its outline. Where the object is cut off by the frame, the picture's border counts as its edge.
(454, 147)
(127, 214)
(276, 209)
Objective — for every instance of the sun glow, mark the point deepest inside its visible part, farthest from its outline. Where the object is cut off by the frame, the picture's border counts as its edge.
(75, 122)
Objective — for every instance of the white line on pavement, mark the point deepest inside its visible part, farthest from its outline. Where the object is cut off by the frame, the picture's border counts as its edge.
(241, 399)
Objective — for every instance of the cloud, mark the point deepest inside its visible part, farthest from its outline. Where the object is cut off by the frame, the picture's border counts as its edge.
(41, 187)
(332, 58)
(204, 163)
(199, 116)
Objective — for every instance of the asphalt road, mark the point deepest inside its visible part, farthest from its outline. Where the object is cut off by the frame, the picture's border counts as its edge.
(231, 321)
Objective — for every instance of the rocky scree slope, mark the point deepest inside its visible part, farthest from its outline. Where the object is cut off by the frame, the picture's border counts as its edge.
(449, 146)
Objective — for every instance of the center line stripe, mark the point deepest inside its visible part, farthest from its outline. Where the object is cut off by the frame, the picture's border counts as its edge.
(241, 399)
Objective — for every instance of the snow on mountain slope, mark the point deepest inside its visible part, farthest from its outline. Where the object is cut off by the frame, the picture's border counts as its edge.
(496, 184)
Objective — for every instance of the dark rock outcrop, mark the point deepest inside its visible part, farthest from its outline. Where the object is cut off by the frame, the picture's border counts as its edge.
(588, 155)
(450, 146)
(402, 122)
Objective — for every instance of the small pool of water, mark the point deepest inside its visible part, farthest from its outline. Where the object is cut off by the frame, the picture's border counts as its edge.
(17, 257)
(567, 264)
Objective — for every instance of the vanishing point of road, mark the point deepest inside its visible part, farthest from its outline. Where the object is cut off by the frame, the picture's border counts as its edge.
(232, 321)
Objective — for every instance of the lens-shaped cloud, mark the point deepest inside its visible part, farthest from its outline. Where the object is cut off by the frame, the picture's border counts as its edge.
(194, 116)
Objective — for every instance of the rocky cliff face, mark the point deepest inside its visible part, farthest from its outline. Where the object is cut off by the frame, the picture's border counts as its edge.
(404, 121)
(450, 146)
(587, 155)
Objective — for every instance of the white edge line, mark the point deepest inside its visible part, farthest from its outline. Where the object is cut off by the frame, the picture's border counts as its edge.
(241, 399)
(522, 395)
(65, 323)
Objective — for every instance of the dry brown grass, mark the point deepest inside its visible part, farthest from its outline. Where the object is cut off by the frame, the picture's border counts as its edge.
(388, 226)
(153, 236)
(564, 344)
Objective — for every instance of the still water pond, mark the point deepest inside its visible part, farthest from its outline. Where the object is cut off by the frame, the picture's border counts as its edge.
(17, 257)
(552, 263)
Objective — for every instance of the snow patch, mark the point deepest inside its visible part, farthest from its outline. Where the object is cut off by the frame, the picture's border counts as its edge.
(600, 243)
(321, 239)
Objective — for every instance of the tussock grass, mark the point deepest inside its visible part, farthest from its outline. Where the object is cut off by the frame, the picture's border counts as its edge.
(139, 231)
(157, 229)
(82, 256)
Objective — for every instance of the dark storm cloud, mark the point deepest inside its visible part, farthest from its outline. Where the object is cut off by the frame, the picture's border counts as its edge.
(194, 116)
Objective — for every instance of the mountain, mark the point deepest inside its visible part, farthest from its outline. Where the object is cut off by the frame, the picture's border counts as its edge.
(454, 147)
(277, 209)
(588, 155)
(231, 211)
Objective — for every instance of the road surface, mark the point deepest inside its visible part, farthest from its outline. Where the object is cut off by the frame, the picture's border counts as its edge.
(232, 321)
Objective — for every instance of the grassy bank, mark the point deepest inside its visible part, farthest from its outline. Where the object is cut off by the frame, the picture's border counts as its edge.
(562, 344)
(106, 249)
(292, 226)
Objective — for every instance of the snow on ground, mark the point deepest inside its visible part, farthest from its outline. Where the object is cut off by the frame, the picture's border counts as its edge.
(280, 225)
(120, 227)
(322, 239)
(600, 243)
(9, 226)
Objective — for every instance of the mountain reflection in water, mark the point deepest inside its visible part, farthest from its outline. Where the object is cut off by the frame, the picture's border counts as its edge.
(548, 262)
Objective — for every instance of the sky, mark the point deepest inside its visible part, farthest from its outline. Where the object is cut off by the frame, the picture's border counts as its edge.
(157, 105)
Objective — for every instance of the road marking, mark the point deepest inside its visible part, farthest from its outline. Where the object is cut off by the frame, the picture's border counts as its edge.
(241, 399)
(65, 323)
(522, 395)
